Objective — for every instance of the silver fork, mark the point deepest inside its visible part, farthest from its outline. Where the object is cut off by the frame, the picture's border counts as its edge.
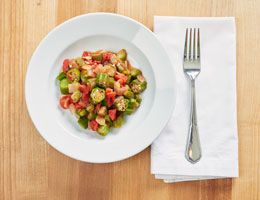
(191, 67)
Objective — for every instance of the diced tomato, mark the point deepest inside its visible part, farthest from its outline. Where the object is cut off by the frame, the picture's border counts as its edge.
(65, 101)
(80, 105)
(118, 76)
(122, 81)
(65, 65)
(106, 57)
(110, 98)
(85, 97)
(77, 106)
(84, 88)
(98, 106)
(93, 125)
(110, 101)
(121, 78)
(112, 114)
(84, 54)
(108, 90)
(83, 103)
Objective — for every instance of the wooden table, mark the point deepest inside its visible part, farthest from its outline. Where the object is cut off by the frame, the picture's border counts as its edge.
(31, 169)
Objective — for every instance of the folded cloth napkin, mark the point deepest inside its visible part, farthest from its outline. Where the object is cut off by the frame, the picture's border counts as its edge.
(216, 102)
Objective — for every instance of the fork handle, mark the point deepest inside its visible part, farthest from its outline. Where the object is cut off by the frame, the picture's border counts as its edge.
(193, 149)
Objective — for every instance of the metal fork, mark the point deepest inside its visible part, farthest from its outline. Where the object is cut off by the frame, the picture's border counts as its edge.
(191, 67)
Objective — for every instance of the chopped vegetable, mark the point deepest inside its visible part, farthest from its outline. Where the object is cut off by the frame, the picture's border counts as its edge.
(129, 111)
(129, 94)
(120, 67)
(138, 98)
(121, 103)
(83, 122)
(106, 57)
(110, 97)
(93, 125)
(80, 62)
(141, 78)
(65, 66)
(73, 110)
(65, 101)
(129, 79)
(138, 86)
(92, 82)
(126, 72)
(82, 103)
(98, 106)
(133, 103)
(100, 89)
(110, 82)
(113, 59)
(121, 55)
(73, 87)
(73, 63)
(109, 69)
(135, 72)
(120, 89)
(100, 120)
(90, 108)
(82, 112)
(97, 95)
(78, 106)
(102, 80)
(97, 56)
(84, 76)
(132, 106)
(73, 74)
(119, 121)
(112, 114)
(64, 86)
(121, 78)
(84, 54)
(76, 96)
(61, 76)
(84, 88)
(103, 130)
(108, 121)
(102, 111)
(91, 116)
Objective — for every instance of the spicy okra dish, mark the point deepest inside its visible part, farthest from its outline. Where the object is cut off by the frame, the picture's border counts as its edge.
(100, 89)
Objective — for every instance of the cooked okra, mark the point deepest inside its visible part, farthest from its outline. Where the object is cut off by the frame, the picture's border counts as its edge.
(101, 89)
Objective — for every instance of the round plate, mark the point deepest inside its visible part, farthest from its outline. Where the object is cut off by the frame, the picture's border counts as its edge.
(92, 32)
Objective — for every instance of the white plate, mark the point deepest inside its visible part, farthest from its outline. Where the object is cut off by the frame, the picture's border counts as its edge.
(92, 32)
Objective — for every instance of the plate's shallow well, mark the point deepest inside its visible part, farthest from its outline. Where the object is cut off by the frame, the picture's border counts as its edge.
(99, 31)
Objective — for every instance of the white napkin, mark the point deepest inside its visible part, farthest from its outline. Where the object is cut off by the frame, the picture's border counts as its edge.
(216, 102)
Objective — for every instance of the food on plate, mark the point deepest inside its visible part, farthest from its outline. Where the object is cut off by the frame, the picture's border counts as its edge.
(100, 88)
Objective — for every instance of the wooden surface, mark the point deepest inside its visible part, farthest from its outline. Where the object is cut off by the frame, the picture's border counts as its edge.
(31, 169)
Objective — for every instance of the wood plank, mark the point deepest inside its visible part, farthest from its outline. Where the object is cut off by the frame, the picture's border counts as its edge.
(31, 169)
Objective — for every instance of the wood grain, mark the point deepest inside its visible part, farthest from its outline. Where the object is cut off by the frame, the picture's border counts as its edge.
(31, 169)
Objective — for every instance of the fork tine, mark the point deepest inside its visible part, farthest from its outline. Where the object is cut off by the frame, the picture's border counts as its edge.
(186, 44)
(190, 41)
(198, 44)
(194, 43)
